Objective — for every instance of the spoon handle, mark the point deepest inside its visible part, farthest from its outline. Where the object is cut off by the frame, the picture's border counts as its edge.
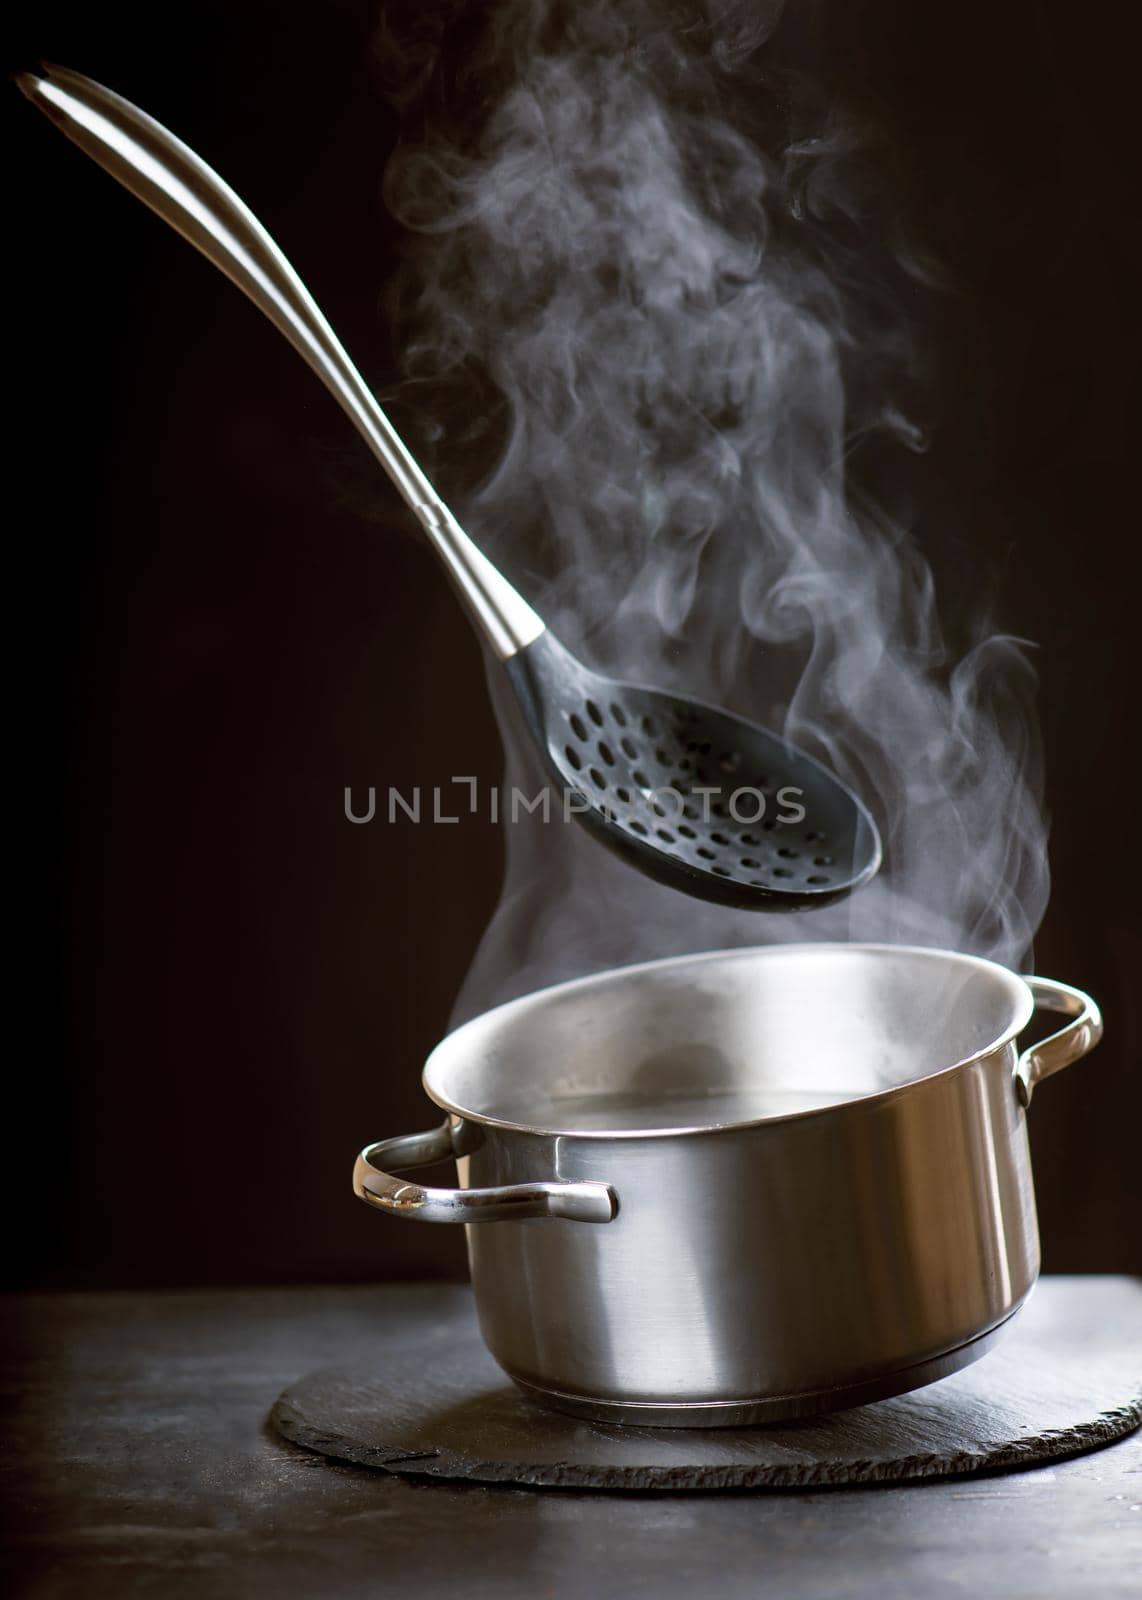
(177, 184)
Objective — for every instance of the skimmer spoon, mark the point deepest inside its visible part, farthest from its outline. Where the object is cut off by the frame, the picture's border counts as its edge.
(689, 794)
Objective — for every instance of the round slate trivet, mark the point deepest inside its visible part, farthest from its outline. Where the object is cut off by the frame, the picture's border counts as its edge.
(431, 1403)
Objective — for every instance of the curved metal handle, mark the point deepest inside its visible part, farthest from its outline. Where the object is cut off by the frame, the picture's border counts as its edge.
(579, 1202)
(177, 184)
(1058, 1050)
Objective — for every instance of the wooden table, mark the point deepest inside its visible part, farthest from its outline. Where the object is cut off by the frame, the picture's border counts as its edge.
(137, 1462)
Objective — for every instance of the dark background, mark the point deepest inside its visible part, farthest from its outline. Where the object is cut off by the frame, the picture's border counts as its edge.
(221, 619)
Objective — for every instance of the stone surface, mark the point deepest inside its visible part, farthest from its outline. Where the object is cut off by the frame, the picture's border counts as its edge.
(430, 1402)
(137, 1462)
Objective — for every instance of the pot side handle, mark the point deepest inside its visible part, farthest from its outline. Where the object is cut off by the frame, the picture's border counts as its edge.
(577, 1202)
(1058, 1050)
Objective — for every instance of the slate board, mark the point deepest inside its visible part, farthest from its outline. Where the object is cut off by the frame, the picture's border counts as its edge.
(431, 1403)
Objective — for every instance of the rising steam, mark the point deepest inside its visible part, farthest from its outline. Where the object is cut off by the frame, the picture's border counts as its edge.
(658, 296)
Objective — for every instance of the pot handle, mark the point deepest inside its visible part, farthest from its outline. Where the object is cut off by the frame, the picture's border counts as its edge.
(1058, 1050)
(579, 1202)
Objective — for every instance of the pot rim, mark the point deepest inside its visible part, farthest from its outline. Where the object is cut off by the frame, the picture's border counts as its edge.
(1023, 1009)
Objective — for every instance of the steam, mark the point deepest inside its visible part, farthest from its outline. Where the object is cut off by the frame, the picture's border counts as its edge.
(658, 297)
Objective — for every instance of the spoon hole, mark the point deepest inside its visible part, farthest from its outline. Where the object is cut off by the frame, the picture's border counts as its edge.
(637, 827)
(649, 727)
(578, 727)
(624, 796)
(721, 871)
(641, 778)
(606, 753)
(718, 838)
(822, 861)
(686, 832)
(748, 861)
(707, 855)
(573, 757)
(748, 838)
(619, 715)
(594, 713)
(790, 855)
(628, 747)
(596, 777)
(669, 837)
(661, 757)
(782, 872)
(818, 877)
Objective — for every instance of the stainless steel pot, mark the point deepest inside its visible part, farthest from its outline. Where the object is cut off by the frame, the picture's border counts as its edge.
(746, 1185)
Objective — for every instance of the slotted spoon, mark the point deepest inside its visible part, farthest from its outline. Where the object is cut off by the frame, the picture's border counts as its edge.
(701, 800)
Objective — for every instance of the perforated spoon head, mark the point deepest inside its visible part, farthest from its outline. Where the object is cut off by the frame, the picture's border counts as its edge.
(704, 801)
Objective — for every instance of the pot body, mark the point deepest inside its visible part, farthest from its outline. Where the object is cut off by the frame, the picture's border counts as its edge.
(796, 1262)
(779, 1262)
